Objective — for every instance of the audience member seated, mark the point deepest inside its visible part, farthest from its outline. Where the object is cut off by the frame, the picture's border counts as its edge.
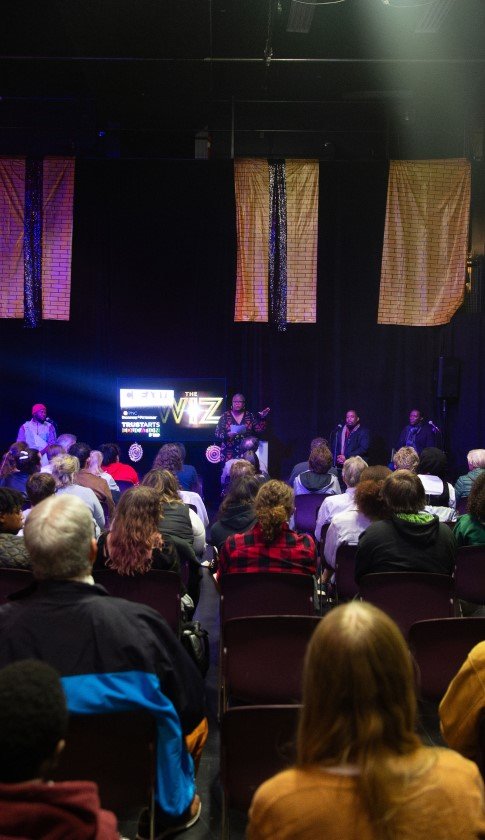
(134, 545)
(236, 513)
(112, 464)
(318, 478)
(93, 465)
(112, 654)
(64, 469)
(304, 465)
(27, 462)
(368, 507)
(351, 472)
(234, 468)
(33, 727)
(86, 478)
(440, 494)
(463, 704)
(361, 769)
(411, 540)
(8, 464)
(406, 458)
(169, 457)
(51, 452)
(39, 487)
(66, 440)
(270, 546)
(476, 466)
(470, 528)
(177, 519)
(187, 474)
(13, 553)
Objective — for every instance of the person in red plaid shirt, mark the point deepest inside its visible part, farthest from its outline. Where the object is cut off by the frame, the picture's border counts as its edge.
(270, 546)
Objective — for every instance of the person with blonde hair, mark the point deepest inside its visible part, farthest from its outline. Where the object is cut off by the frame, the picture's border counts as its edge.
(406, 458)
(270, 546)
(361, 770)
(93, 465)
(64, 469)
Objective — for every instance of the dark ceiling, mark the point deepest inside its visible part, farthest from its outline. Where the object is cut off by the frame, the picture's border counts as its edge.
(140, 78)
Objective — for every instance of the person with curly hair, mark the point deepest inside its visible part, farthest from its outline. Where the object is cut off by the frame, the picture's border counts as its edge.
(8, 464)
(134, 545)
(470, 528)
(406, 458)
(361, 770)
(168, 458)
(270, 546)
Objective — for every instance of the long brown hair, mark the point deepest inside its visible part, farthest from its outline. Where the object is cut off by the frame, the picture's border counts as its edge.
(166, 485)
(134, 531)
(359, 707)
(274, 505)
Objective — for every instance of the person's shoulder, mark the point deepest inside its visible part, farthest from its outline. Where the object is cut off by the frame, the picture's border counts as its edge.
(456, 769)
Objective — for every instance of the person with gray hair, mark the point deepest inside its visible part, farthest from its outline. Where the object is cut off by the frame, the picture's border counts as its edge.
(351, 473)
(66, 440)
(476, 466)
(112, 654)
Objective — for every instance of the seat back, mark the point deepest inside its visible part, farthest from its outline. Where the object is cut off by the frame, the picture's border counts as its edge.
(470, 573)
(12, 580)
(157, 589)
(462, 506)
(262, 658)
(409, 596)
(307, 506)
(117, 751)
(256, 743)
(265, 593)
(345, 572)
(440, 647)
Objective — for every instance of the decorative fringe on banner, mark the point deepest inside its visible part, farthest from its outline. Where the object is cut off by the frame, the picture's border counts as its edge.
(36, 217)
(277, 227)
(425, 242)
(33, 243)
(277, 274)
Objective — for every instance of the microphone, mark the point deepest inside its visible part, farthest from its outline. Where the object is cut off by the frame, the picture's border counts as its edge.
(435, 428)
(339, 425)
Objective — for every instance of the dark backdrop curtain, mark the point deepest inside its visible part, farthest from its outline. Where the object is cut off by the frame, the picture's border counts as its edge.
(153, 280)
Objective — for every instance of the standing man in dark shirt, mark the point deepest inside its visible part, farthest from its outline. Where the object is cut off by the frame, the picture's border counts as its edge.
(354, 438)
(417, 433)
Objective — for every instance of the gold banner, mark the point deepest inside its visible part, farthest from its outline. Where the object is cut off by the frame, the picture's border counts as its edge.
(425, 242)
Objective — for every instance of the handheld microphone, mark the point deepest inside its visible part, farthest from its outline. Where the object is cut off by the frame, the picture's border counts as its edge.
(435, 428)
(339, 425)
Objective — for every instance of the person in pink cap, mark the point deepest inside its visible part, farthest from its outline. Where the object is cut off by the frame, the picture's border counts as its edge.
(38, 433)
